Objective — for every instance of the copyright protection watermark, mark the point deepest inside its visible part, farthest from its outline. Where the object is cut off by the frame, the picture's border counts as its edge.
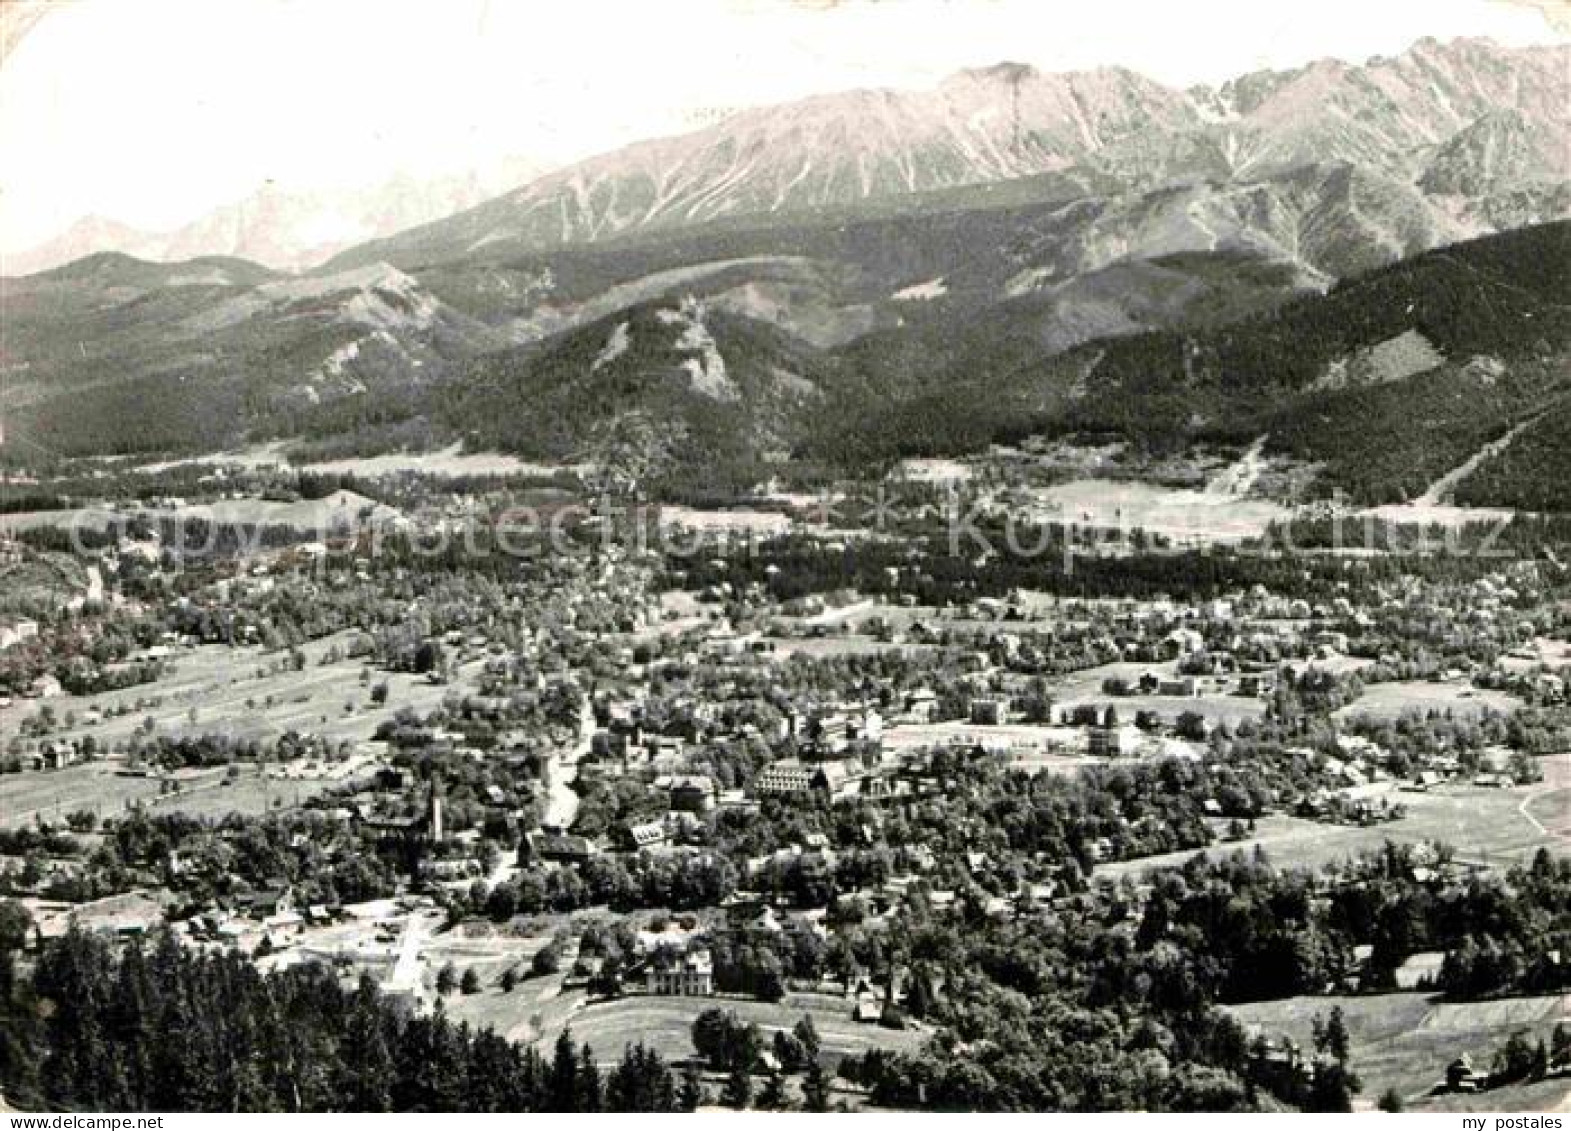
(965, 525)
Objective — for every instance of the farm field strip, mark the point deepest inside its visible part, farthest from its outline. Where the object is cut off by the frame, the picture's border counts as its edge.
(666, 1023)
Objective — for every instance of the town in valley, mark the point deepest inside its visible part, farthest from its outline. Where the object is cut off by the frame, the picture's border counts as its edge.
(1028, 636)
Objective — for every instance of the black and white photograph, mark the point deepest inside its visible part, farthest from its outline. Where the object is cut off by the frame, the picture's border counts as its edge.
(785, 556)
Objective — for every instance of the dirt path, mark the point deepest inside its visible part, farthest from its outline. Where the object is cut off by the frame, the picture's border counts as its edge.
(1237, 479)
(562, 807)
(1439, 492)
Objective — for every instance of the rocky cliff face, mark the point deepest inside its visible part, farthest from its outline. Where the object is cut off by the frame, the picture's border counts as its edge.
(1105, 129)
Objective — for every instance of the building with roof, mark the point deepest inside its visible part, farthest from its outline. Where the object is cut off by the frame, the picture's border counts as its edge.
(674, 973)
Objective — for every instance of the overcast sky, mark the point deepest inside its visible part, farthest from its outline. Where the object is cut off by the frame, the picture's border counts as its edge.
(153, 112)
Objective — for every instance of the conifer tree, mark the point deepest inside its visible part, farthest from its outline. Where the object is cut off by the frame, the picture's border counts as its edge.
(738, 1090)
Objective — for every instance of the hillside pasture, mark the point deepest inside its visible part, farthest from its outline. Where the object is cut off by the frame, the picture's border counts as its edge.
(1497, 827)
(1085, 686)
(249, 795)
(246, 692)
(1405, 1040)
(51, 794)
(665, 1024)
(1393, 700)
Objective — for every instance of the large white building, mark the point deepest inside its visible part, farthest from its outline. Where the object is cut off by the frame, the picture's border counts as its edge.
(680, 975)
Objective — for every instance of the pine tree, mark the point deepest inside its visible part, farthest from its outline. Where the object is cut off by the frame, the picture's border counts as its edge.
(807, 1033)
(815, 1088)
(789, 1051)
(640, 1082)
(1559, 1042)
(691, 1094)
(590, 1091)
(364, 1076)
(920, 1000)
(738, 1090)
(562, 1090)
(773, 1097)
(1336, 1036)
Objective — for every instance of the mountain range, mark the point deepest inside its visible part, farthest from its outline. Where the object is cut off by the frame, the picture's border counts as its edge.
(287, 230)
(1109, 130)
(852, 277)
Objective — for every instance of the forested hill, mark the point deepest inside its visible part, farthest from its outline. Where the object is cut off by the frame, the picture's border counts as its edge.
(1506, 296)
(1390, 378)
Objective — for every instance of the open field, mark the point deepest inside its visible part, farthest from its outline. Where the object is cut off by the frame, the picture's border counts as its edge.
(823, 646)
(1217, 709)
(98, 788)
(735, 521)
(1545, 1095)
(342, 510)
(534, 1003)
(666, 1023)
(1392, 700)
(1022, 737)
(1417, 513)
(211, 689)
(1179, 514)
(76, 518)
(217, 681)
(448, 461)
(537, 1004)
(92, 786)
(1496, 826)
(1544, 651)
(539, 1008)
(1405, 1040)
(1027, 746)
(1287, 842)
(1499, 827)
(248, 795)
(1334, 664)
(1085, 686)
(931, 470)
(1549, 806)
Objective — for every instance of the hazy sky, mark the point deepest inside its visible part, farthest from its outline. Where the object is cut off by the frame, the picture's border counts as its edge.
(152, 112)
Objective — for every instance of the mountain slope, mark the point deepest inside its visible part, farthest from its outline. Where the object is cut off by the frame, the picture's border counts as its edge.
(1389, 380)
(1499, 150)
(823, 153)
(113, 354)
(664, 392)
(287, 230)
(1008, 122)
(830, 280)
(1382, 114)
